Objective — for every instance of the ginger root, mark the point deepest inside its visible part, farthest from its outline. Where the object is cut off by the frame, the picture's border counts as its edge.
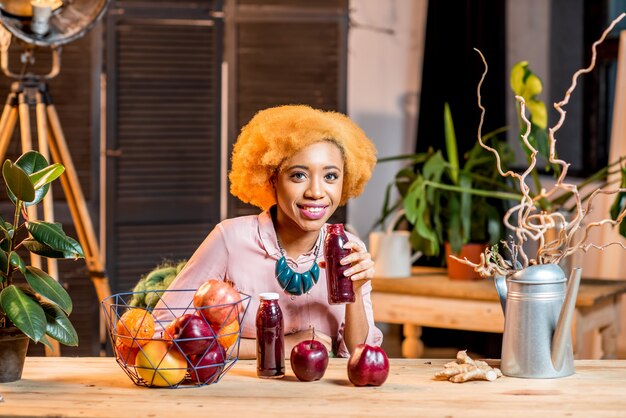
(465, 369)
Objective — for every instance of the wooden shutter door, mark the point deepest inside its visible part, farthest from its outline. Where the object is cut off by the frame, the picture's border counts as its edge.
(163, 87)
(284, 52)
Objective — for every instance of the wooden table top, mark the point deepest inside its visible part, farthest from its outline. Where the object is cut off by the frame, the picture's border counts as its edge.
(432, 281)
(97, 387)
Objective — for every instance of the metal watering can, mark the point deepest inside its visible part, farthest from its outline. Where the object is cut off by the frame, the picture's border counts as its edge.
(538, 305)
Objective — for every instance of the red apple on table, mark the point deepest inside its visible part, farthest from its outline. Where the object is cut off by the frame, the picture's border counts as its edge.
(217, 292)
(191, 332)
(368, 365)
(309, 360)
(206, 367)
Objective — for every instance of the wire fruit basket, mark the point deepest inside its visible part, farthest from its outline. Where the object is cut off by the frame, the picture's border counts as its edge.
(174, 346)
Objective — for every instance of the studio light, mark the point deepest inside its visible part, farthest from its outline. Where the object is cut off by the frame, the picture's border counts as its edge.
(50, 22)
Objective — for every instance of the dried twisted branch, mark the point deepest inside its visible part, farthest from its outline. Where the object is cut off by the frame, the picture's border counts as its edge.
(525, 219)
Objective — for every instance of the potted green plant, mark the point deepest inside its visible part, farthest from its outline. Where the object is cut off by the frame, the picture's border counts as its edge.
(449, 200)
(33, 305)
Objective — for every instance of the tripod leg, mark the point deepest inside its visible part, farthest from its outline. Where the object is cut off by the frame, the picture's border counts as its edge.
(48, 204)
(27, 145)
(7, 124)
(78, 208)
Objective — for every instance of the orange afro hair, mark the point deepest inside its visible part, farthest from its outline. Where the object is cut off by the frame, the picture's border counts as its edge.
(275, 134)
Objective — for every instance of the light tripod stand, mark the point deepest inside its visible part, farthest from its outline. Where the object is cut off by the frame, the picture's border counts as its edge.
(31, 91)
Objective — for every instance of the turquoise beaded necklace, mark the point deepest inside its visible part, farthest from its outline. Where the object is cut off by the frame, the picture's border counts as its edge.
(292, 282)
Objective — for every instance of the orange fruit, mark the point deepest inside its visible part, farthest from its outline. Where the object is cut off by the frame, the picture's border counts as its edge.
(125, 353)
(135, 327)
(227, 336)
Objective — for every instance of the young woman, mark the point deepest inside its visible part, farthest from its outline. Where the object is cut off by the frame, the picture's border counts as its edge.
(298, 165)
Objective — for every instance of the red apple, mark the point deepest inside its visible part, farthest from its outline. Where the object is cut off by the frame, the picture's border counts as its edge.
(191, 332)
(368, 365)
(309, 360)
(217, 292)
(206, 367)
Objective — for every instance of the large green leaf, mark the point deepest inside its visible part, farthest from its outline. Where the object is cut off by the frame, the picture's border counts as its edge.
(17, 181)
(433, 171)
(455, 227)
(52, 235)
(465, 209)
(24, 312)
(59, 326)
(417, 212)
(40, 174)
(45, 251)
(538, 112)
(31, 162)
(16, 261)
(7, 230)
(517, 77)
(49, 288)
(451, 147)
(47, 175)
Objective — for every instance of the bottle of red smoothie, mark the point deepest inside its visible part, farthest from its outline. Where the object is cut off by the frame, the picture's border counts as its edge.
(339, 286)
(270, 338)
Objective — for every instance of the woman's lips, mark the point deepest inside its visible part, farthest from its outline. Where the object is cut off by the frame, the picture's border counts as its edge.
(313, 212)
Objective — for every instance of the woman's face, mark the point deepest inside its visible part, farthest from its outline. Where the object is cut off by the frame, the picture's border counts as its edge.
(309, 185)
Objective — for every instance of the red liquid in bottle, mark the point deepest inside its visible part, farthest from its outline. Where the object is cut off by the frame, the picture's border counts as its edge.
(340, 288)
(270, 338)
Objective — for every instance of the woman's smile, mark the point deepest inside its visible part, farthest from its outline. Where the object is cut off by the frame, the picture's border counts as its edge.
(313, 212)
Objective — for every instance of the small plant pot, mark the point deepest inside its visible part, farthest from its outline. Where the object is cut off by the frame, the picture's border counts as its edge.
(13, 347)
(461, 271)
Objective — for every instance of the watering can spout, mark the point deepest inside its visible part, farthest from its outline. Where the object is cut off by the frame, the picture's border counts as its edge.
(561, 336)
(500, 282)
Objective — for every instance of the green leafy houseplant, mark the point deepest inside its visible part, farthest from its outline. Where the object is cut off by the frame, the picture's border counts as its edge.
(446, 201)
(40, 307)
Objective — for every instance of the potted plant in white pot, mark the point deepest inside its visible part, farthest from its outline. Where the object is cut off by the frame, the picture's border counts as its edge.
(33, 305)
(452, 202)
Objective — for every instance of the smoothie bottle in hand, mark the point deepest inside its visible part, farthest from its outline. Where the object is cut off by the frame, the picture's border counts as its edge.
(339, 286)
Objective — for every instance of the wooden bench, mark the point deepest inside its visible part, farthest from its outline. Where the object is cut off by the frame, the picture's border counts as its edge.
(430, 299)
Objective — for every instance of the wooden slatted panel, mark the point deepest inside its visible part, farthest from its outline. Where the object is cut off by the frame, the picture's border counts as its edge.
(165, 183)
(287, 62)
(283, 63)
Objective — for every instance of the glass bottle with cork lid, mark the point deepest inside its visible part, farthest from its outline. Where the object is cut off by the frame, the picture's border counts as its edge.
(340, 289)
(270, 338)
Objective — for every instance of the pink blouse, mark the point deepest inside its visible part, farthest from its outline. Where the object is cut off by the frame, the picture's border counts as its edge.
(244, 251)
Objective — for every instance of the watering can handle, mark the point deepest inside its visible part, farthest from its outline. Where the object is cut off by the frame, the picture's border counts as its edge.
(394, 220)
(390, 228)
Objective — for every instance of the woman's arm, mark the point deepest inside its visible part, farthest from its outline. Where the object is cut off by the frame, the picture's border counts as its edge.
(361, 271)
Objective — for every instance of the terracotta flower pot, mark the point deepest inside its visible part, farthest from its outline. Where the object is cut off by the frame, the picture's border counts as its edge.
(13, 347)
(461, 271)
